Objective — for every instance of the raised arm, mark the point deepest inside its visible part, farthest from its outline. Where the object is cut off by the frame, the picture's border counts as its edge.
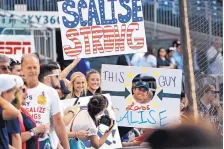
(69, 68)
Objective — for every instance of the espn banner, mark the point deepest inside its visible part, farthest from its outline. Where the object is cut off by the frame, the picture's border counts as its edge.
(15, 46)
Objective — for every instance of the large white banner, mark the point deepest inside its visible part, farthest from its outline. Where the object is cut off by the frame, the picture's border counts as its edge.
(15, 46)
(113, 141)
(143, 97)
(101, 28)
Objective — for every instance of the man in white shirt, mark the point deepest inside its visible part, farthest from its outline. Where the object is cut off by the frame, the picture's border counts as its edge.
(42, 102)
(215, 58)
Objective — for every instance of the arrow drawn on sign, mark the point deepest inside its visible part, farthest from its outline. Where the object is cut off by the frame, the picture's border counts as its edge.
(125, 93)
(161, 95)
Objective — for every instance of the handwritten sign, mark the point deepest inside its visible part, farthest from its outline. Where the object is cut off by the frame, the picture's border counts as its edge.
(143, 97)
(101, 28)
(113, 141)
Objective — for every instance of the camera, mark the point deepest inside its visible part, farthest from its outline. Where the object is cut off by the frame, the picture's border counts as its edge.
(106, 120)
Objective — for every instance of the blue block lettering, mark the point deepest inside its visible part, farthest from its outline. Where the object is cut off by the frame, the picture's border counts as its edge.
(125, 18)
(66, 22)
(135, 10)
(93, 13)
(82, 4)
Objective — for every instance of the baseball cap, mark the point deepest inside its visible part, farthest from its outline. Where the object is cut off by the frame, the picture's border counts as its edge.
(7, 82)
(64, 89)
(142, 84)
(19, 80)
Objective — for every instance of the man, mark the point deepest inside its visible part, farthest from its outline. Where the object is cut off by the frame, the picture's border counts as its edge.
(141, 93)
(7, 110)
(210, 105)
(4, 64)
(42, 101)
(215, 58)
(50, 77)
(178, 55)
(15, 67)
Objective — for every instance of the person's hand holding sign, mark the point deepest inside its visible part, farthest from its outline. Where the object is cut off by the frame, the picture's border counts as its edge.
(76, 60)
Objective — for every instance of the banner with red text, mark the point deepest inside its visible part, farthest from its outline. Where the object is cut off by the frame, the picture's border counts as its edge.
(143, 97)
(15, 46)
(97, 28)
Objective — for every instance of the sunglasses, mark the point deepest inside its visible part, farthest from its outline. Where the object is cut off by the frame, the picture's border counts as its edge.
(5, 68)
(214, 92)
(53, 75)
(24, 90)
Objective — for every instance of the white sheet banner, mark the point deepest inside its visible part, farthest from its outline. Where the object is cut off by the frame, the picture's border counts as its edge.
(101, 28)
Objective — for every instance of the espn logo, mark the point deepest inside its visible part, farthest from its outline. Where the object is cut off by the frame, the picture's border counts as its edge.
(13, 47)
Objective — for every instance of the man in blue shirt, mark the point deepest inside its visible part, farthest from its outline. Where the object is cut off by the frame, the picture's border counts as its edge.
(178, 55)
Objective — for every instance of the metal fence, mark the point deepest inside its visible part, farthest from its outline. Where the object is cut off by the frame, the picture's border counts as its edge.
(207, 53)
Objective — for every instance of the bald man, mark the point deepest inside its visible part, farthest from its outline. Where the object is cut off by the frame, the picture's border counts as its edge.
(43, 102)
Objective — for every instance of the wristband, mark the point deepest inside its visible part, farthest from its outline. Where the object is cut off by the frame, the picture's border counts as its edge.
(32, 132)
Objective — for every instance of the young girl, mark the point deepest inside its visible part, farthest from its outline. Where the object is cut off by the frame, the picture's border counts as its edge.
(88, 120)
(93, 82)
(78, 85)
(162, 61)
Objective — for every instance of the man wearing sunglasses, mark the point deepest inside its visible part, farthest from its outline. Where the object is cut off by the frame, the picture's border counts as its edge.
(4, 64)
(213, 109)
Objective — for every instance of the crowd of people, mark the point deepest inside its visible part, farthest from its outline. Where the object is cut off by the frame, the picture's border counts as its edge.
(31, 115)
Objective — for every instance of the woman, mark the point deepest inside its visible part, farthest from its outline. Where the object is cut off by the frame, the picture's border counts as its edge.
(10, 128)
(93, 82)
(88, 120)
(145, 59)
(78, 85)
(29, 130)
(162, 61)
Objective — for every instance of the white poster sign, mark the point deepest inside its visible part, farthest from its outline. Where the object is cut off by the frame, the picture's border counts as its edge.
(15, 46)
(101, 28)
(113, 141)
(143, 97)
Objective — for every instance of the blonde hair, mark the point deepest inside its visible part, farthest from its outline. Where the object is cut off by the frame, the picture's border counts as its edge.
(71, 87)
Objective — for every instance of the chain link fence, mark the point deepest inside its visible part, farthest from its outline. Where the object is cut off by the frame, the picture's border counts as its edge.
(206, 32)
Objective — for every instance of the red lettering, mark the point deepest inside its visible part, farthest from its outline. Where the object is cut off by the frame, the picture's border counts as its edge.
(108, 38)
(138, 40)
(77, 49)
(135, 108)
(119, 39)
(86, 31)
(130, 106)
(13, 48)
(97, 33)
